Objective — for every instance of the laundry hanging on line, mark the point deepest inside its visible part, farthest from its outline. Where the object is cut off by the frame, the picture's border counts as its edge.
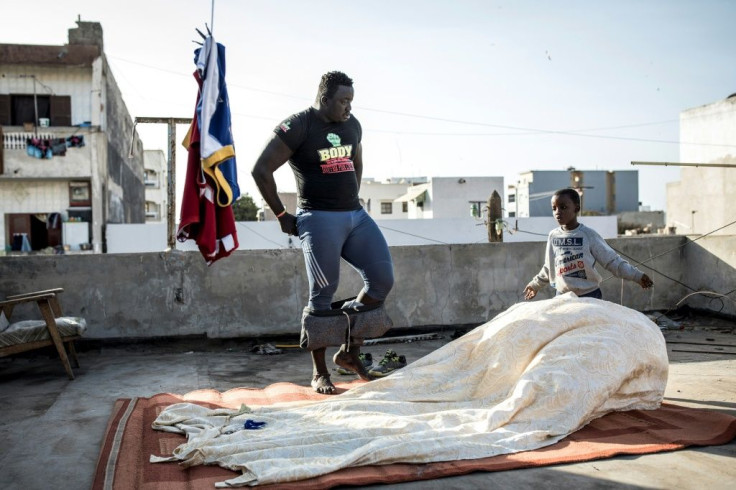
(217, 148)
(48, 148)
(209, 223)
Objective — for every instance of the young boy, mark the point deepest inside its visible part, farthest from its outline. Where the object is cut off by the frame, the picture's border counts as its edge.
(572, 251)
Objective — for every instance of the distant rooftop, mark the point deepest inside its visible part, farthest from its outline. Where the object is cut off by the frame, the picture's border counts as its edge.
(85, 45)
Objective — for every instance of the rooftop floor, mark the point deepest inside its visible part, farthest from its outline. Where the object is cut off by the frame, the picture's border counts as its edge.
(51, 428)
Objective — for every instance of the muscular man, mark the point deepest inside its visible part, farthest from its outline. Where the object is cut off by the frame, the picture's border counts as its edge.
(323, 147)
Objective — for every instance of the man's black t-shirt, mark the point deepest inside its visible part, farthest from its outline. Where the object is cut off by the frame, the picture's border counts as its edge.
(323, 160)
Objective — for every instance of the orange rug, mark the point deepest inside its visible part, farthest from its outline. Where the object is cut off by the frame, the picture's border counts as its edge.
(130, 440)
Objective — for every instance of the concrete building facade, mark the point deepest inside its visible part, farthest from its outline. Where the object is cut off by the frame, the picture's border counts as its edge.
(154, 163)
(602, 192)
(702, 201)
(66, 148)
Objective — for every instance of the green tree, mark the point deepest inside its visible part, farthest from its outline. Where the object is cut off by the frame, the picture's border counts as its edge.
(245, 209)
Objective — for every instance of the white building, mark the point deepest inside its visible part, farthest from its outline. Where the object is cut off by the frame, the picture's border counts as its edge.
(379, 198)
(434, 198)
(154, 163)
(416, 197)
(66, 138)
(703, 200)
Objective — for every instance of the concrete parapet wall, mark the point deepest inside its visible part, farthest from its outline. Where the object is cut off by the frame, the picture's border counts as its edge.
(262, 292)
(710, 266)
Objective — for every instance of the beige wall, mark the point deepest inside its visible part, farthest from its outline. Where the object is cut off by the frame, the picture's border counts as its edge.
(75, 81)
(703, 200)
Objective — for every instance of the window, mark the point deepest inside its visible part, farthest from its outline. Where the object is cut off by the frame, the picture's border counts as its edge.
(476, 209)
(22, 108)
(387, 207)
(512, 197)
(151, 178)
(151, 210)
(79, 194)
(404, 207)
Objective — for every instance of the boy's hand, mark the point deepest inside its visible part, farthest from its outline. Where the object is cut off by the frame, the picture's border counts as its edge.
(646, 282)
(529, 293)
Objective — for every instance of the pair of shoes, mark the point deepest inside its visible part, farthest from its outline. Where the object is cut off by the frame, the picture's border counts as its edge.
(391, 362)
(365, 357)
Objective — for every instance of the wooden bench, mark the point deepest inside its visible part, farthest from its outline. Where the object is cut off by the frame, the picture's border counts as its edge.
(52, 330)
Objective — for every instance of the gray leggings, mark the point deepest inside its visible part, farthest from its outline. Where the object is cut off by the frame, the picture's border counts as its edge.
(327, 236)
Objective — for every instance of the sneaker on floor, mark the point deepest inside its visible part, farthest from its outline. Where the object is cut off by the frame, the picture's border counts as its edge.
(365, 357)
(391, 362)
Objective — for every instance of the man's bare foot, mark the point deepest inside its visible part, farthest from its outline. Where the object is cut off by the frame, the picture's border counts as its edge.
(321, 384)
(351, 362)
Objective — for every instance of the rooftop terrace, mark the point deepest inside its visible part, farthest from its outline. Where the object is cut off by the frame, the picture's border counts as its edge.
(164, 322)
(52, 427)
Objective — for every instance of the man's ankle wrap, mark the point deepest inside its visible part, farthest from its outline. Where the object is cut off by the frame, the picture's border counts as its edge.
(336, 327)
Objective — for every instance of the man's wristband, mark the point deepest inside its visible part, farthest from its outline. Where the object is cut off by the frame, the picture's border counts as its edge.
(281, 214)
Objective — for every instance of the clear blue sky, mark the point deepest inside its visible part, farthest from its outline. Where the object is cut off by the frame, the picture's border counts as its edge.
(450, 88)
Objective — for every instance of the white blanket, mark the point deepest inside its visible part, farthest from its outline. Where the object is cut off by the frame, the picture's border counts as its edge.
(524, 380)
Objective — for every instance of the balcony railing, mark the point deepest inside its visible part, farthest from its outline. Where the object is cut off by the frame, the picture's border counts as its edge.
(17, 141)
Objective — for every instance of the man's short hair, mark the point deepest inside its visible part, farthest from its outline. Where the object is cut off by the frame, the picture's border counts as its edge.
(329, 83)
(571, 193)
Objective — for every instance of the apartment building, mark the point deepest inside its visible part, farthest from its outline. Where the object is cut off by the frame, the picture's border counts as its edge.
(156, 182)
(602, 192)
(702, 200)
(69, 153)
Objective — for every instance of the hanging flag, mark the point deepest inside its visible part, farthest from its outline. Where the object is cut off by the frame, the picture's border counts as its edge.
(213, 112)
(211, 226)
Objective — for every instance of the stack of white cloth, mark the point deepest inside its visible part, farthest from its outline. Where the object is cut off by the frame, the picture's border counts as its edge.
(524, 380)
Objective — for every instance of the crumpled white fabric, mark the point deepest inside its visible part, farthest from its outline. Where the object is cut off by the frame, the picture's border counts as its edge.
(524, 380)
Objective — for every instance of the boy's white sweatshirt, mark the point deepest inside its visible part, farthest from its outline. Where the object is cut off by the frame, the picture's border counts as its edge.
(570, 260)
